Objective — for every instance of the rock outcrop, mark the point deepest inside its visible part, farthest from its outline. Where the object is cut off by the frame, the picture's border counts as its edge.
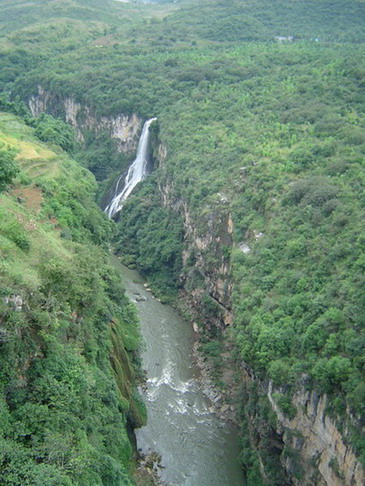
(326, 459)
(122, 128)
(206, 283)
(14, 301)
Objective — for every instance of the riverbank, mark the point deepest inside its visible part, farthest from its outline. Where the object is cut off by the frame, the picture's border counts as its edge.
(222, 401)
(148, 469)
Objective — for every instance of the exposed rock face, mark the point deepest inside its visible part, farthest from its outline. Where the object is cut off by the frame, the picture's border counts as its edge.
(15, 302)
(206, 284)
(39, 103)
(162, 153)
(124, 129)
(210, 239)
(325, 457)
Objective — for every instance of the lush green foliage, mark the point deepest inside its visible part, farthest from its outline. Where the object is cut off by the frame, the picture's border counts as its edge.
(68, 200)
(100, 63)
(269, 131)
(49, 129)
(68, 335)
(17, 106)
(8, 167)
(151, 238)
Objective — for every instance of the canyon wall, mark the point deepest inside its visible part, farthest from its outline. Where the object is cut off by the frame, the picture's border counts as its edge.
(309, 447)
(124, 129)
(206, 283)
(315, 438)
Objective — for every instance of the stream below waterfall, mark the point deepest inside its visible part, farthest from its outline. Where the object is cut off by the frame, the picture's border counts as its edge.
(197, 448)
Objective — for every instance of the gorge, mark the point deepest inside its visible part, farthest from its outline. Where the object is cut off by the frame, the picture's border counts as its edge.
(181, 419)
(251, 224)
(196, 447)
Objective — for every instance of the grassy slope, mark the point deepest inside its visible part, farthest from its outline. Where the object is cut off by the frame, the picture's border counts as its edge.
(67, 381)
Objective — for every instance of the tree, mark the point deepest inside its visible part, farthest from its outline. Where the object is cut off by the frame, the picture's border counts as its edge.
(50, 129)
(8, 167)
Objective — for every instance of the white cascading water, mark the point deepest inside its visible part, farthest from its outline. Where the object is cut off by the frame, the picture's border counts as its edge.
(136, 173)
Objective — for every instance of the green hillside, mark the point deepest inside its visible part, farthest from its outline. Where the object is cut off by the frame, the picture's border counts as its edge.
(68, 335)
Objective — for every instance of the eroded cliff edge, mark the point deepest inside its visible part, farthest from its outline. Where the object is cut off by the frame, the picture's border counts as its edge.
(124, 129)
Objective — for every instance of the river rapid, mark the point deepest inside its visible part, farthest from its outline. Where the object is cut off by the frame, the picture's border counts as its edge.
(197, 448)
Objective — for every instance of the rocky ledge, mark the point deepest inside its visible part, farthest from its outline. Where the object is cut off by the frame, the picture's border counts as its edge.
(221, 400)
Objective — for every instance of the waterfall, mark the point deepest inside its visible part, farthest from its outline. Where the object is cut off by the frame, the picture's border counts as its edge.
(136, 173)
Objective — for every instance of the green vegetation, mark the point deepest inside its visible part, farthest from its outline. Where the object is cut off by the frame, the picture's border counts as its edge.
(49, 129)
(285, 404)
(68, 336)
(267, 131)
(152, 239)
(8, 167)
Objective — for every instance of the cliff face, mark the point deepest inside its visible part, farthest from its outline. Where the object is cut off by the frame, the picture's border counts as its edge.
(214, 287)
(206, 278)
(122, 128)
(325, 457)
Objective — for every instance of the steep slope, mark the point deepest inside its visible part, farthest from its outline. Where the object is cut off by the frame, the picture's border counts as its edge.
(254, 215)
(68, 335)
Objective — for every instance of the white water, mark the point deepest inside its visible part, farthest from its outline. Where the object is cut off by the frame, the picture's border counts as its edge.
(197, 448)
(136, 173)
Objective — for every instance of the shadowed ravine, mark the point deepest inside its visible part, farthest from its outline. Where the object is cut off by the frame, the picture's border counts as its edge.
(197, 448)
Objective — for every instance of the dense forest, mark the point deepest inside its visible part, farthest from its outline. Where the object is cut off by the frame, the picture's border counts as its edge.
(258, 183)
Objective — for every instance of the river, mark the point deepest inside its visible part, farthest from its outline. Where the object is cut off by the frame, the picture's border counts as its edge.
(197, 448)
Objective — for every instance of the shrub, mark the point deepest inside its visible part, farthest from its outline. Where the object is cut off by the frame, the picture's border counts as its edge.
(16, 233)
(285, 404)
(8, 167)
(313, 191)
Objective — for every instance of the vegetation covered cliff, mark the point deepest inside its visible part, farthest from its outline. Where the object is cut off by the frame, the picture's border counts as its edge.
(254, 213)
(68, 335)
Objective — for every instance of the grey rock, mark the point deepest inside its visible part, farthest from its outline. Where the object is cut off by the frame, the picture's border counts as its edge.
(15, 301)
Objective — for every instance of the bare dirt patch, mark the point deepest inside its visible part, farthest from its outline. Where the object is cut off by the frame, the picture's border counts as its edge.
(108, 40)
(31, 197)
